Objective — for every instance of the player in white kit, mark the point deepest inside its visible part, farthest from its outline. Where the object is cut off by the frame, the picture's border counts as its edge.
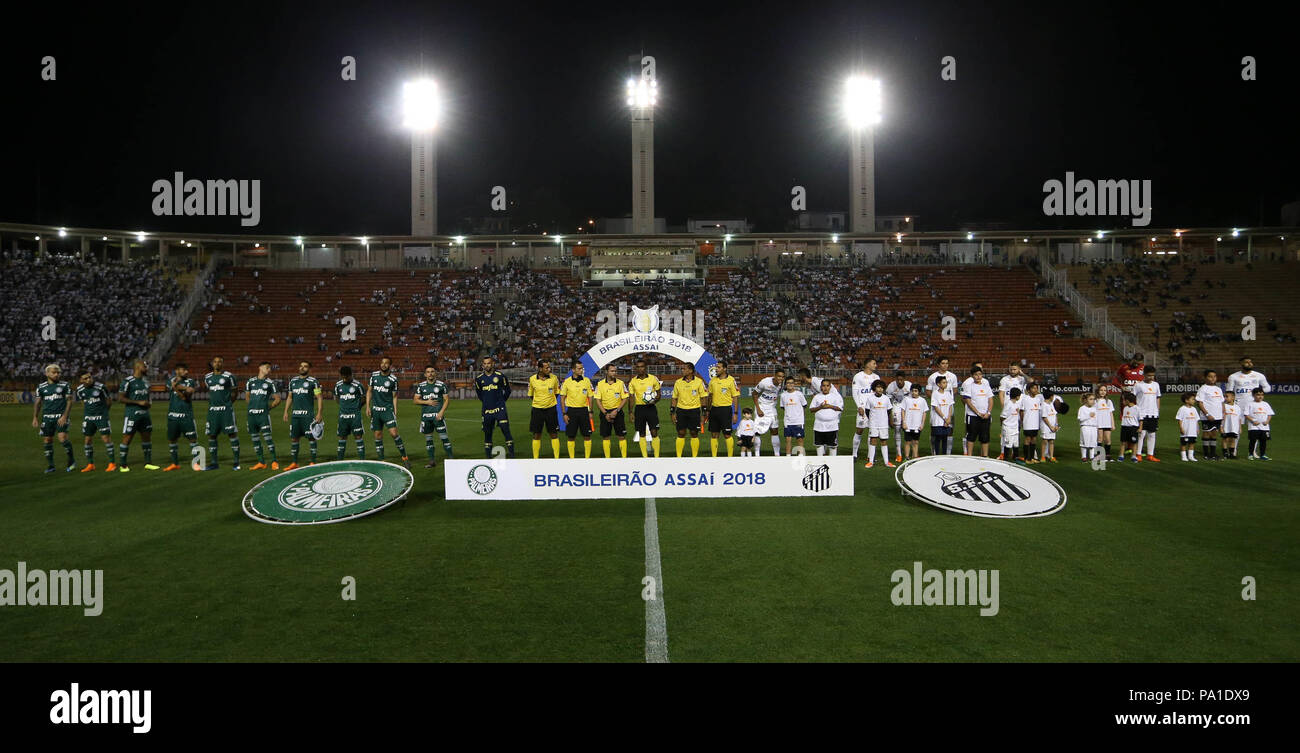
(878, 409)
(1148, 395)
(766, 420)
(951, 387)
(1209, 401)
(897, 391)
(1013, 379)
(1245, 382)
(862, 382)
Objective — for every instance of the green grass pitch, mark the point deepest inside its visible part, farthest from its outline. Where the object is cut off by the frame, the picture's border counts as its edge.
(1145, 563)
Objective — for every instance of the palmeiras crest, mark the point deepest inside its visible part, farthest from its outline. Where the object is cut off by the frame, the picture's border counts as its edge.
(985, 486)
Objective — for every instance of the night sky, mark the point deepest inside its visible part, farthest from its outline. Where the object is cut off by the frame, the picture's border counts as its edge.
(749, 108)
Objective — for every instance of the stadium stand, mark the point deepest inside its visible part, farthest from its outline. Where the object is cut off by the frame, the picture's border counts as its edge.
(829, 317)
(106, 314)
(1191, 313)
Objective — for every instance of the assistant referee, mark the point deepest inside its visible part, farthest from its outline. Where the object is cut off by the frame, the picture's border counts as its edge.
(723, 407)
(576, 393)
(688, 394)
(542, 388)
(645, 387)
(611, 393)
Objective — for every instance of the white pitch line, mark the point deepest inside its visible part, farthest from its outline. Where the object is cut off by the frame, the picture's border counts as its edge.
(656, 625)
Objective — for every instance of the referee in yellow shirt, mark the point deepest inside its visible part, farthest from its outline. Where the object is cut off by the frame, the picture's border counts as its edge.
(645, 387)
(542, 388)
(611, 393)
(576, 393)
(688, 394)
(723, 406)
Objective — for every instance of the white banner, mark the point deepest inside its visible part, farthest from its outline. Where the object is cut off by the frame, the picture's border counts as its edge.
(619, 478)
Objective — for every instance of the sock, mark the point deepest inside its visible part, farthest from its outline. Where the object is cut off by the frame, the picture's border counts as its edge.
(212, 451)
(605, 443)
(90, 454)
(537, 448)
(361, 448)
(401, 446)
(1263, 445)
(428, 446)
(173, 449)
(695, 447)
(731, 446)
(270, 444)
(1151, 443)
(311, 445)
(681, 444)
(1184, 452)
(821, 449)
(622, 444)
(112, 457)
(573, 448)
(294, 446)
(257, 448)
(148, 451)
(124, 448)
(555, 447)
(776, 445)
(379, 449)
(713, 446)
(871, 452)
(342, 448)
(234, 447)
(587, 443)
(49, 454)
(898, 442)
(857, 442)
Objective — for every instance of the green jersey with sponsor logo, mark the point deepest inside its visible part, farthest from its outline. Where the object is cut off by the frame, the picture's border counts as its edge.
(435, 391)
(54, 397)
(350, 396)
(302, 395)
(180, 401)
(94, 400)
(221, 389)
(135, 388)
(383, 387)
(260, 393)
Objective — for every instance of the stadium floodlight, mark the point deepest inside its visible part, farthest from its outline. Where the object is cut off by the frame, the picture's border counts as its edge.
(63, 232)
(898, 237)
(1235, 232)
(862, 111)
(862, 101)
(557, 238)
(140, 237)
(642, 93)
(421, 111)
(38, 237)
(421, 105)
(970, 236)
(835, 238)
(460, 239)
(365, 241)
(1026, 240)
(298, 240)
(727, 237)
(1219, 239)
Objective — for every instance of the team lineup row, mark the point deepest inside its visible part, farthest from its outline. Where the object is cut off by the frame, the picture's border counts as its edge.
(1025, 408)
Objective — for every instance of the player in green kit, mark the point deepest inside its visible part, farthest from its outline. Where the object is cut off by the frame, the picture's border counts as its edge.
(222, 394)
(180, 414)
(262, 397)
(381, 407)
(50, 415)
(95, 401)
(433, 397)
(350, 397)
(304, 395)
(134, 394)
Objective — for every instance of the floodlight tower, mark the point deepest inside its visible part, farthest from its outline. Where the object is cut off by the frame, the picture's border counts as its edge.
(862, 104)
(642, 94)
(420, 110)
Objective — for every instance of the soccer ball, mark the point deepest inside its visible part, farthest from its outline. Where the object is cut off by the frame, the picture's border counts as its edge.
(649, 395)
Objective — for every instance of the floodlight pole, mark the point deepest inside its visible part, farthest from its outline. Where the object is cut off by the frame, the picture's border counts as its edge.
(424, 183)
(862, 180)
(643, 170)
